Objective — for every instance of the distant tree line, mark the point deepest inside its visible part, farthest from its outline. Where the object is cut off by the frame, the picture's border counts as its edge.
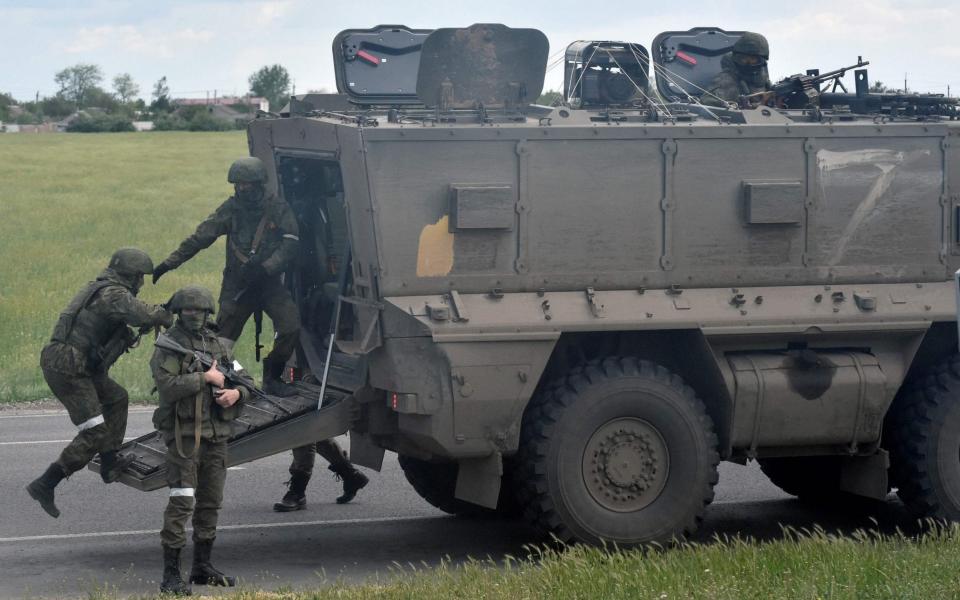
(81, 94)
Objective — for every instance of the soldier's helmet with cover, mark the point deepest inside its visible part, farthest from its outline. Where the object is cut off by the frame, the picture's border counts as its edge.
(247, 170)
(131, 261)
(192, 296)
(751, 50)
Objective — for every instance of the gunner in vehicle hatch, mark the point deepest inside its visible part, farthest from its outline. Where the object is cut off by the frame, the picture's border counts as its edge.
(744, 71)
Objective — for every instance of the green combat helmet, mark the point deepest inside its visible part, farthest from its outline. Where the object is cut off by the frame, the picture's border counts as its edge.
(248, 169)
(752, 44)
(131, 261)
(192, 296)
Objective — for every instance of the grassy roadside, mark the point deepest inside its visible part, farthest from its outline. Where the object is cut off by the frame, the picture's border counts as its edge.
(68, 201)
(812, 565)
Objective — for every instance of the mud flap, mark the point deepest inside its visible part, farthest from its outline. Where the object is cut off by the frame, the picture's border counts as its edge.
(866, 475)
(478, 480)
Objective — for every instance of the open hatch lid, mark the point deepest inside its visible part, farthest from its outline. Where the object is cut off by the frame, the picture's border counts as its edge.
(379, 65)
(686, 62)
(486, 63)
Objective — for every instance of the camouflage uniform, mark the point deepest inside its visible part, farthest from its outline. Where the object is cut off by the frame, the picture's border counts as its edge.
(738, 79)
(196, 430)
(262, 239)
(91, 333)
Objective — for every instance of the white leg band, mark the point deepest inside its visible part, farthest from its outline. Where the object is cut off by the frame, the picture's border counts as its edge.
(188, 492)
(92, 422)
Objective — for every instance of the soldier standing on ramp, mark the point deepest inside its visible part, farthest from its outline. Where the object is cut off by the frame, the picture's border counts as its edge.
(262, 238)
(89, 337)
(194, 415)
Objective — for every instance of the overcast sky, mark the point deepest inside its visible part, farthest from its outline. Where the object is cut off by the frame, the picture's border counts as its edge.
(202, 46)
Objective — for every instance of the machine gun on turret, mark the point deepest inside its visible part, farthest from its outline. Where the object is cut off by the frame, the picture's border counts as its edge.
(800, 91)
(805, 91)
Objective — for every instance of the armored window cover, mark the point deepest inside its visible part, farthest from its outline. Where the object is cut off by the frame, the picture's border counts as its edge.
(487, 64)
(686, 62)
(379, 65)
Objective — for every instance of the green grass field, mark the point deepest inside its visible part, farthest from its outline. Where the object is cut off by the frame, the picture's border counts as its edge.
(68, 201)
(811, 566)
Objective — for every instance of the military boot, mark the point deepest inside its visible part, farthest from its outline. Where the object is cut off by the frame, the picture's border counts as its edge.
(353, 481)
(204, 573)
(112, 465)
(172, 581)
(41, 489)
(273, 383)
(295, 498)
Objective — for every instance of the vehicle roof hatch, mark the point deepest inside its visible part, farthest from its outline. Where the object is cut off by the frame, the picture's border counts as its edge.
(484, 64)
(605, 73)
(686, 62)
(379, 65)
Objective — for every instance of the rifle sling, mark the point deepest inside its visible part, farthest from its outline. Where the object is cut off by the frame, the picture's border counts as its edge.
(197, 424)
(255, 244)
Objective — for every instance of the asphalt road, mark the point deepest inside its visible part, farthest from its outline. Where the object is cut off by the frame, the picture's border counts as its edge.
(106, 537)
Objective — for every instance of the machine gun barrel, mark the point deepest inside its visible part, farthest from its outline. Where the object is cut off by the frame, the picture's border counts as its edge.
(824, 77)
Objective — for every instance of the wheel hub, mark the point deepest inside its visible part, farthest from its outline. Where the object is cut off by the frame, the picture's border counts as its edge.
(625, 464)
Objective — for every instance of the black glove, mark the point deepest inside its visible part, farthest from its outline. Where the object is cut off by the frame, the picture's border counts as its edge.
(252, 272)
(159, 271)
(166, 319)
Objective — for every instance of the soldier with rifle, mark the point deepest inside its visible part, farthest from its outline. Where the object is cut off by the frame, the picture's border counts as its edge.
(90, 335)
(201, 392)
(262, 239)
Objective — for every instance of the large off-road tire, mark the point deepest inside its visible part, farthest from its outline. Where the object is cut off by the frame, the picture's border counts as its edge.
(619, 450)
(923, 437)
(436, 483)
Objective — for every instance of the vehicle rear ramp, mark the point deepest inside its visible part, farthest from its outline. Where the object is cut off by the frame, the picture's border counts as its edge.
(267, 425)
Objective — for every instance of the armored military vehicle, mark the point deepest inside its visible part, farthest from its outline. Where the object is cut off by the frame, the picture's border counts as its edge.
(576, 312)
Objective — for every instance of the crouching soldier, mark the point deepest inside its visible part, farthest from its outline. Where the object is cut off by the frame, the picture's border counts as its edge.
(194, 415)
(90, 335)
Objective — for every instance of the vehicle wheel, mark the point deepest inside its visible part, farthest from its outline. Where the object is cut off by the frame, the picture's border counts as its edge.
(437, 482)
(620, 450)
(924, 442)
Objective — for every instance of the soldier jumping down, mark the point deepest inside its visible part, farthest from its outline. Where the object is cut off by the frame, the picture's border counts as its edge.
(89, 337)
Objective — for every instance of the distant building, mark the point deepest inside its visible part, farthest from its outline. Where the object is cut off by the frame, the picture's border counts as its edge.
(254, 103)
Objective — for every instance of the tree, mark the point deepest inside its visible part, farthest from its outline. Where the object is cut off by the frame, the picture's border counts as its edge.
(877, 87)
(75, 81)
(161, 96)
(125, 87)
(6, 101)
(272, 83)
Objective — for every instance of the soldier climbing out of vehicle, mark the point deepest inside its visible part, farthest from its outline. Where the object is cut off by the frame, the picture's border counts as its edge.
(262, 239)
(744, 71)
(90, 335)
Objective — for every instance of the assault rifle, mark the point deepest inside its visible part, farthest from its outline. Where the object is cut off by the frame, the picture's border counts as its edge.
(231, 373)
(799, 91)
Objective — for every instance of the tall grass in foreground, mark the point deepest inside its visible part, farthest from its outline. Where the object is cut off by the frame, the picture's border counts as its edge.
(809, 565)
(68, 201)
